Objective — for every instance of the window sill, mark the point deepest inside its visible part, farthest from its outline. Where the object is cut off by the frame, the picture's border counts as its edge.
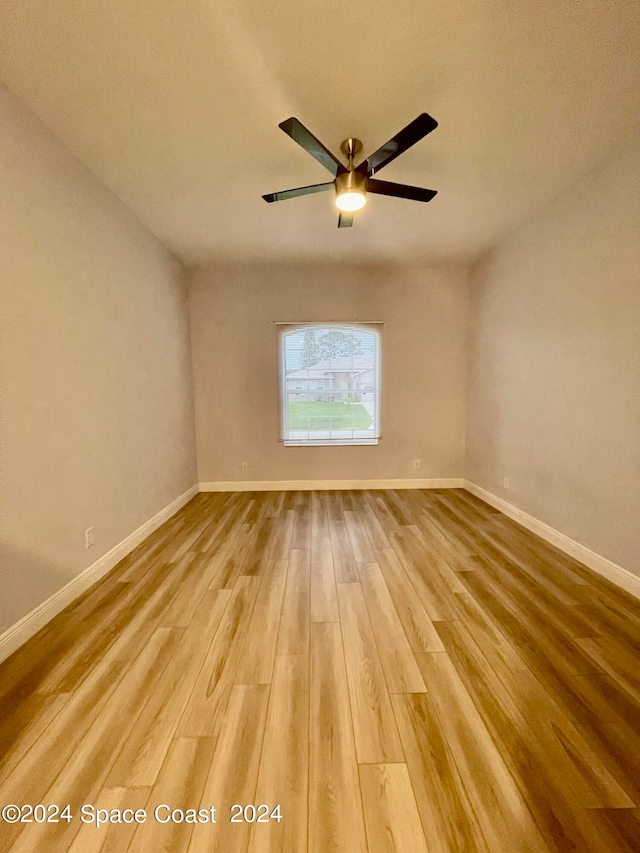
(323, 442)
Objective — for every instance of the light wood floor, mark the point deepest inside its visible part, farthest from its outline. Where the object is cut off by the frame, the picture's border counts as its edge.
(400, 671)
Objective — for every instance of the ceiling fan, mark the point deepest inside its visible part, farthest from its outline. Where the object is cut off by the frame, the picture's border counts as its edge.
(353, 183)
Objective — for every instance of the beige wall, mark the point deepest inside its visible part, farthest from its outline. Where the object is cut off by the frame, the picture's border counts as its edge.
(233, 309)
(97, 425)
(554, 381)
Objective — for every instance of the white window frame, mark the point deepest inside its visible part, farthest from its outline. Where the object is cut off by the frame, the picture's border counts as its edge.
(374, 328)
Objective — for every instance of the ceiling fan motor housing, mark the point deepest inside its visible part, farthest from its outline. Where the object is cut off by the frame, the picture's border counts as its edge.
(350, 182)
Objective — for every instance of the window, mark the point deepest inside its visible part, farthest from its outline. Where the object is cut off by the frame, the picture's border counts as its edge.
(337, 368)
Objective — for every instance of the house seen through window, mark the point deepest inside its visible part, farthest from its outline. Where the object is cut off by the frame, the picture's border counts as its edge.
(329, 383)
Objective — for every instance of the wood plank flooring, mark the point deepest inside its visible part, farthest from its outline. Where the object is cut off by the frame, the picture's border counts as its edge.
(400, 671)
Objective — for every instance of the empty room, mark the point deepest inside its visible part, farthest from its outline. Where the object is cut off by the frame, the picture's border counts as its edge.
(320, 426)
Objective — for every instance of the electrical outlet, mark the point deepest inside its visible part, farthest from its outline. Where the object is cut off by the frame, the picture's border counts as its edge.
(506, 482)
(416, 463)
(89, 537)
(244, 466)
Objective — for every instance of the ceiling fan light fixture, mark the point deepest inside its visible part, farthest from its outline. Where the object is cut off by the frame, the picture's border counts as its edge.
(350, 191)
(350, 200)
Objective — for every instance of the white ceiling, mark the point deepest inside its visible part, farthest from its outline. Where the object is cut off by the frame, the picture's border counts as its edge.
(176, 105)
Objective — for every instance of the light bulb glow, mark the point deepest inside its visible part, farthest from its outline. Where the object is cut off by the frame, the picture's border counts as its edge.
(350, 200)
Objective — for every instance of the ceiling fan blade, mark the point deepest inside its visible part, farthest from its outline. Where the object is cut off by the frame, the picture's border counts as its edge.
(313, 188)
(403, 140)
(345, 220)
(299, 133)
(399, 190)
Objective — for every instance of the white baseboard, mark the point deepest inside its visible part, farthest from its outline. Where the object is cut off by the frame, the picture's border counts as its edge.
(30, 624)
(324, 485)
(611, 571)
